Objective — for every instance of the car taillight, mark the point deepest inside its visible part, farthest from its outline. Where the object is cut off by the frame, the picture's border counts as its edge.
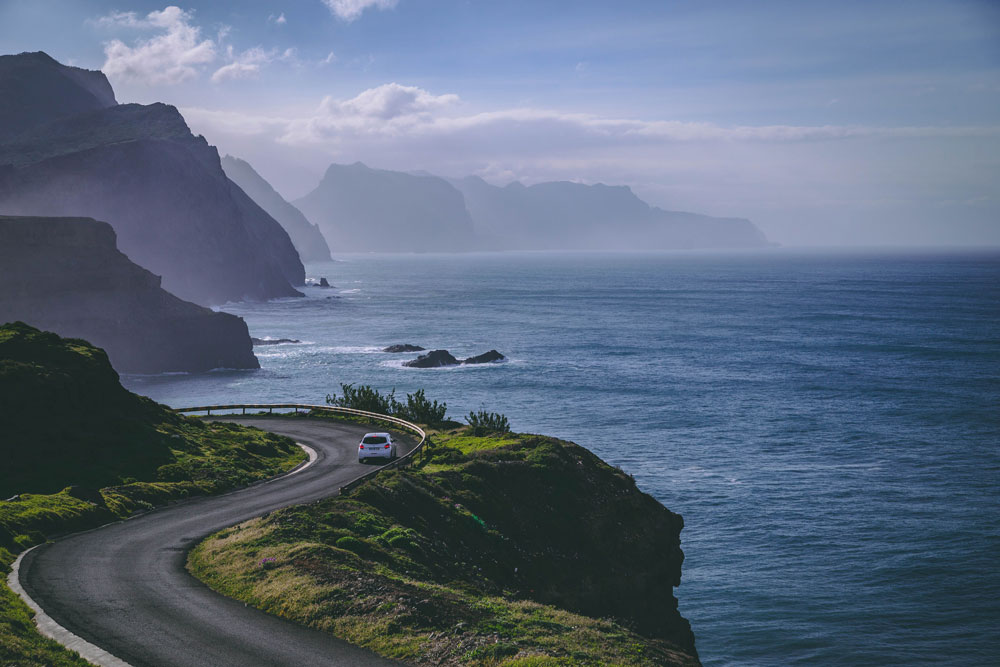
(361, 446)
(386, 447)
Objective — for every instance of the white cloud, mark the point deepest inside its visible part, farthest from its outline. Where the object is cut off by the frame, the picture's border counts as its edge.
(247, 64)
(778, 175)
(175, 55)
(279, 19)
(349, 10)
(330, 59)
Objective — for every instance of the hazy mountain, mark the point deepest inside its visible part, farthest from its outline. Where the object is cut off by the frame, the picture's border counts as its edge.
(362, 209)
(306, 237)
(139, 168)
(36, 89)
(66, 275)
(564, 215)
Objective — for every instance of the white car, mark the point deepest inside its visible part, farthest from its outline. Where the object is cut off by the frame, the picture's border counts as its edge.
(376, 446)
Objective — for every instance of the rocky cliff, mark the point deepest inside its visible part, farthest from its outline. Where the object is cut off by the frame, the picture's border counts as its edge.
(361, 209)
(67, 275)
(306, 237)
(76, 153)
(37, 89)
(563, 215)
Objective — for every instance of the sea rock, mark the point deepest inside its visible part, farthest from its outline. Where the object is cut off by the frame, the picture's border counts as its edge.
(403, 347)
(324, 283)
(67, 275)
(485, 358)
(433, 359)
(273, 341)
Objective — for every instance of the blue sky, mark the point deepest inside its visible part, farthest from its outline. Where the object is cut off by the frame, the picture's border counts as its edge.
(826, 123)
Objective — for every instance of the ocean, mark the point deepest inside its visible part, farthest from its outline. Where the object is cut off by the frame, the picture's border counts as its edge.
(828, 423)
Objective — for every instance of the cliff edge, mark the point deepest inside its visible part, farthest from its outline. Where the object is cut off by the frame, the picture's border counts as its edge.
(503, 549)
(67, 275)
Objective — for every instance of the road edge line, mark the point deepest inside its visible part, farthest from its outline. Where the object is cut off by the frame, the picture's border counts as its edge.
(47, 627)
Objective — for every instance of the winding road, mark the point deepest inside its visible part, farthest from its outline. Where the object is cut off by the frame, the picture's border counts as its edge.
(123, 587)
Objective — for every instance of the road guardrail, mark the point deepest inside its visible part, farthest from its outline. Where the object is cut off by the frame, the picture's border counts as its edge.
(401, 462)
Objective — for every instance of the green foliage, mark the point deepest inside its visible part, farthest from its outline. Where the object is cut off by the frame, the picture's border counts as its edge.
(421, 410)
(504, 549)
(483, 422)
(365, 398)
(417, 408)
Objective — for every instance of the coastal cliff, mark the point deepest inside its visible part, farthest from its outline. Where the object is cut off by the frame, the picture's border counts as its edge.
(141, 169)
(360, 209)
(560, 215)
(492, 550)
(306, 237)
(67, 275)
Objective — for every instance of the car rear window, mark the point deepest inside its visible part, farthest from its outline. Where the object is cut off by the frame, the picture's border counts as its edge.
(374, 440)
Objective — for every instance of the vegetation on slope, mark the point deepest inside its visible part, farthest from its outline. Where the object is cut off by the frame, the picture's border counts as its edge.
(79, 450)
(496, 549)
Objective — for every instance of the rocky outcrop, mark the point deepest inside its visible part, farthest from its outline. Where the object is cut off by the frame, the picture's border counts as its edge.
(66, 275)
(563, 215)
(403, 347)
(490, 357)
(439, 358)
(140, 169)
(361, 209)
(306, 236)
(433, 359)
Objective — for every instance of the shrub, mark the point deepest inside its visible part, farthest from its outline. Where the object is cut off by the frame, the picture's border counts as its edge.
(364, 398)
(418, 408)
(421, 410)
(483, 422)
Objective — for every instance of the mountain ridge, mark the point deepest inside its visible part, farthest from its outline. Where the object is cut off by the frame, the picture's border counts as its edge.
(141, 169)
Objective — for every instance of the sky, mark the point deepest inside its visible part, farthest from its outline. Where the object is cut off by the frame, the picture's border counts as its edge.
(827, 124)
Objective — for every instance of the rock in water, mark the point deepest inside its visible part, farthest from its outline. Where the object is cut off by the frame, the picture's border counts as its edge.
(324, 283)
(433, 359)
(485, 358)
(403, 347)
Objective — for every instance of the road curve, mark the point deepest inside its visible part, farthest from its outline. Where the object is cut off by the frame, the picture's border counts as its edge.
(124, 588)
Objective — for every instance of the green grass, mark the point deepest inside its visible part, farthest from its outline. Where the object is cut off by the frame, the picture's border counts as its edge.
(205, 459)
(419, 564)
(20, 643)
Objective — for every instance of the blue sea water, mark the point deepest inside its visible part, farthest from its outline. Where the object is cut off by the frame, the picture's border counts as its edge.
(828, 424)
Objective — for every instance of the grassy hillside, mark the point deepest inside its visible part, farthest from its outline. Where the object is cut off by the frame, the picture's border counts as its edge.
(79, 450)
(504, 549)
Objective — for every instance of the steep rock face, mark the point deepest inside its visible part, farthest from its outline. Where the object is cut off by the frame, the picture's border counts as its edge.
(361, 209)
(36, 89)
(161, 188)
(563, 215)
(66, 275)
(305, 236)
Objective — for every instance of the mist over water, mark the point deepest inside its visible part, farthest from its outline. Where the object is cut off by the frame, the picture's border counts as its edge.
(827, 423)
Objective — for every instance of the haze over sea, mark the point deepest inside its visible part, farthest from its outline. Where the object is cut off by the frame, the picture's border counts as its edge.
(827, 423)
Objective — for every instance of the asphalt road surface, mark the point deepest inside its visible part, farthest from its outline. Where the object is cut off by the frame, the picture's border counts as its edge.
(124, 588)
